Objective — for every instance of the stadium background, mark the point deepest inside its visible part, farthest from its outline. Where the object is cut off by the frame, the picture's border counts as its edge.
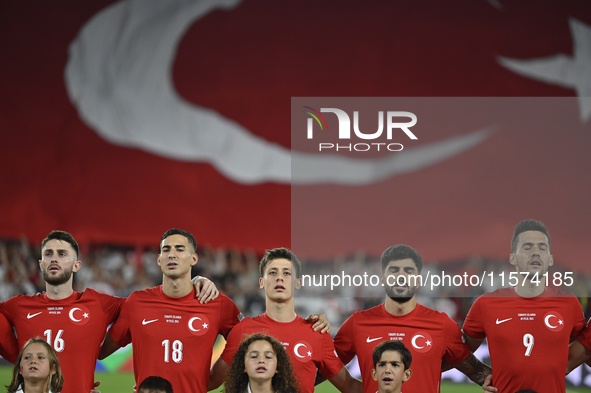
(61, 169)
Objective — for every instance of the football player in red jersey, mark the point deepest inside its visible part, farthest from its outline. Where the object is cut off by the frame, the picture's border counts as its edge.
(523, 324)
(431, 336)
(73, 323)
(172, 333)
(309, 350)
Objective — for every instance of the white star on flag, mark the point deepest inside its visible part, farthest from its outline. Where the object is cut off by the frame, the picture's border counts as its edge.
(85, 315)
(204, 325)
(309, 353)
(572, 72)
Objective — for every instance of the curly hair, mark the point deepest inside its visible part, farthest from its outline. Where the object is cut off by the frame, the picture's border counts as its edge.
(283, 381)
(57, 380)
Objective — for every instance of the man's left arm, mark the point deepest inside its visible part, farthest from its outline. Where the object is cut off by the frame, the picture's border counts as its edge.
(320, 323)
(474, 369)
(346, 383)
(205, 289)
(577, 355)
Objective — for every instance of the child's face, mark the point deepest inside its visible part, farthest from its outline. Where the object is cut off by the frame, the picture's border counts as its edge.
(390, 373)
(35, 363)
(260, 361)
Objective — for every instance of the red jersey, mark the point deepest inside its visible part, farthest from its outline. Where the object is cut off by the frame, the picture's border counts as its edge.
(527, 338)
(308, 350)
(429, 335)
(173, 337)
(8, 345)
(75, 327)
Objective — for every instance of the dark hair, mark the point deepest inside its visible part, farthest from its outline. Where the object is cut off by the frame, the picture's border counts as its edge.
(56, 381)
(396, 346)
(63, 236)
(155, 384)
(283, 381)
(398, 252)
(526, 391)
(528, 225)
(280, 253)
(175, 231)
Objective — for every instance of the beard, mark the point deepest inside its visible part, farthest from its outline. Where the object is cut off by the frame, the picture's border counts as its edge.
(57, 279)
(398, 297)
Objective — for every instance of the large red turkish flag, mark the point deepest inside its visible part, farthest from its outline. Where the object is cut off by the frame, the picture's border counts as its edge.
(245, 61)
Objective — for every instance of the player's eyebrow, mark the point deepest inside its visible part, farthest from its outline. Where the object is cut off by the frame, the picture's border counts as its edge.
(58, 250)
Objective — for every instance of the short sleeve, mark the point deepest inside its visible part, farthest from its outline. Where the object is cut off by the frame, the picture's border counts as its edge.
(456, 350)
(111, 305)
(230, 315)
(344, 340)
(8, 343)
(232, 343)
(120, 331)
(330, 364)
(473, 325)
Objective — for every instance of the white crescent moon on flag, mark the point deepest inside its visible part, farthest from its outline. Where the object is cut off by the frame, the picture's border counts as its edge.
(191, 323)
(119, 77)
(547, 321)
(72, 314)
(414, 341)
(295, 350)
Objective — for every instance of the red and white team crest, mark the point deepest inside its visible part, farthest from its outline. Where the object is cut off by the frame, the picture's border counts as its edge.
(79, 315)
(198, 324)
(303, 351)
(422, 342)
(554, 321)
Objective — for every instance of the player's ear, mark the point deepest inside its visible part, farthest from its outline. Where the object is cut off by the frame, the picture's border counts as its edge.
(194, 259)
(551, 262)
(53, 370)
(261, 283)
(76, 266)
(512, 260)
(374, 375)
(158, 259)
(298, 283)
(407, 375)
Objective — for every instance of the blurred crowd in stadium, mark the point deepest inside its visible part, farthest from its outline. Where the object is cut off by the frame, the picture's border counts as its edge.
(118, 271)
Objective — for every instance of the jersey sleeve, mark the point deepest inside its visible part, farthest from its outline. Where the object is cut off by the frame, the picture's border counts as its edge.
(473, 325)
(232, 343)
(330, 365)
(120, 331)
(344, 341)
(8, 344)
(456, 350)
(111, 305)
(230, 315)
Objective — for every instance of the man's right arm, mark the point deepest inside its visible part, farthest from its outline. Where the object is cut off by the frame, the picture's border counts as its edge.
(218, 374)
(472, 343)
(109, 346)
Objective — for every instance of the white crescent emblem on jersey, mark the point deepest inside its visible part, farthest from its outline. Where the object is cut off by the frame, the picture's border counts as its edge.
(295, 350)
(414, 341)
(191, 324)
(72, 314)
(547, 322)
